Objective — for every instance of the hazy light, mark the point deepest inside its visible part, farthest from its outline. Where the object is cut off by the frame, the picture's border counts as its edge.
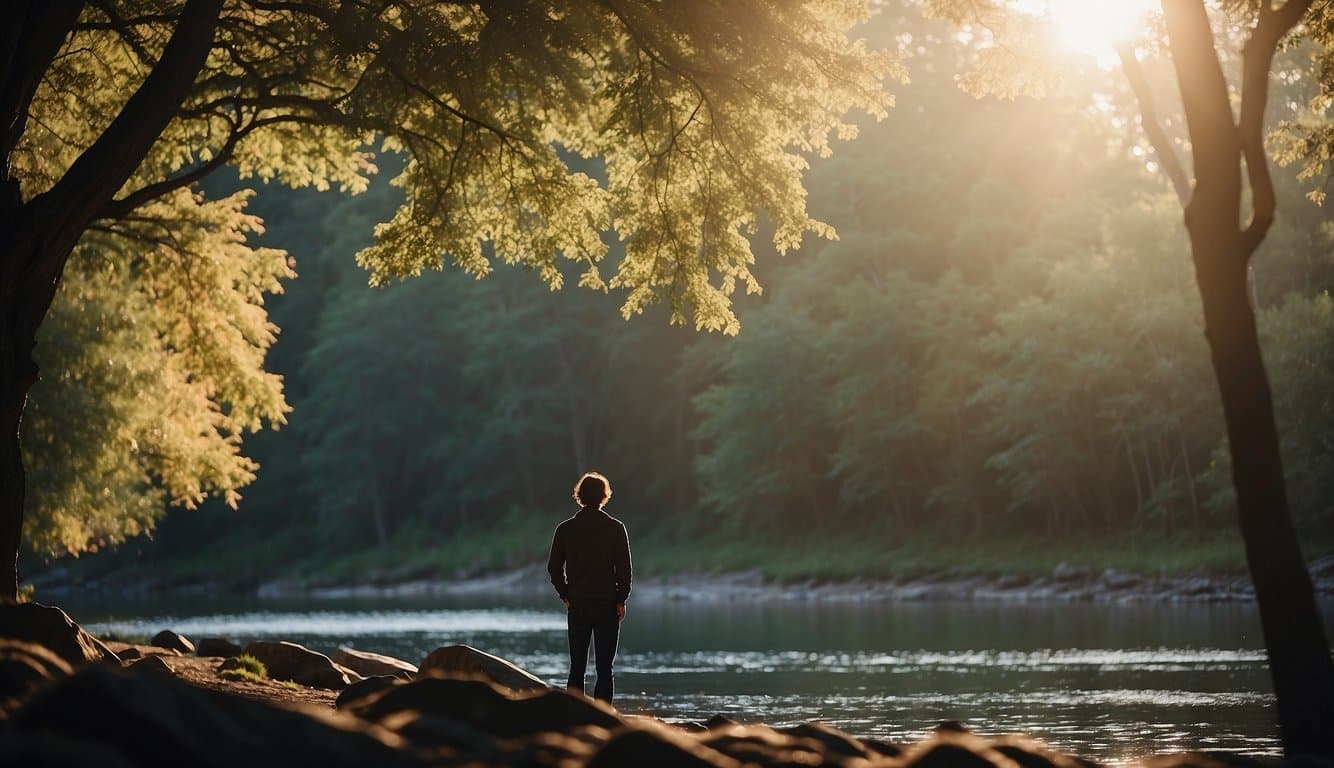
(1096, 27)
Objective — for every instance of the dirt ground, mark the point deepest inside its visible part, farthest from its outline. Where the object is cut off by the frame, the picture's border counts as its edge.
(203, 672)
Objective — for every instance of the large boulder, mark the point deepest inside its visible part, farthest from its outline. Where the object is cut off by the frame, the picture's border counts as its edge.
(52, 628)
(482, 705)
(217, 647)
(364, 688)
(453, 660)
(175, 641)
(299, 664)
(119, 718)
(369, 664)
(24, 668)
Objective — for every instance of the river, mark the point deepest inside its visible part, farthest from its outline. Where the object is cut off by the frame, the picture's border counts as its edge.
(1110, 682)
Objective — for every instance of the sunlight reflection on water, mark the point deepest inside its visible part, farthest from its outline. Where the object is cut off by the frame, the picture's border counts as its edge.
(1127, 683)
(339, 623)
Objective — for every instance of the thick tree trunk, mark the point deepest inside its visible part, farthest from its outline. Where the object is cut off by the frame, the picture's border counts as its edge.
(1299, 658)
(19, 374)
(40, 233)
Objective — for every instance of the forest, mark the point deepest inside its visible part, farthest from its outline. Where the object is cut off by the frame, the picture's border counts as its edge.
(1004, 341)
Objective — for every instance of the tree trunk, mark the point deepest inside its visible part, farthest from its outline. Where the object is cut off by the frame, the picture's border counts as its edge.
(1299, 660)
(19, 374)
(40, 233)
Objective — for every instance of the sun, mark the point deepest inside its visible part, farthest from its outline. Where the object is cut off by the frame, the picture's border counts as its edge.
(1095, 27)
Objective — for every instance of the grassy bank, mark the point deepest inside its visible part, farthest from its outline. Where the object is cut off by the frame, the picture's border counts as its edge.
(518, 539)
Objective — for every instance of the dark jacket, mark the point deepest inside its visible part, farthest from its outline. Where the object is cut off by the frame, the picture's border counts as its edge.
(590, 558)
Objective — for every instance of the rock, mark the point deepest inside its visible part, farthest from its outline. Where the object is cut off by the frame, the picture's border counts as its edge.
(483, 705)
(466, 660)
(658, 748)
(54, 630)
(832, 739)
(763, 746)
(1065, 573)
(1031, 754)
(1013, 581)
(719, 721)
(363, 688)
(168, 639)
(954, 750)
(131, 651)
(1114, 579)
(882, 747)
(154, 721)
(1196, 586)
(299, 664)
(1322, 569)
(369, 664)
(428, 732)
(230, 663)
(213, 647)
(152, 665)
(24, 668)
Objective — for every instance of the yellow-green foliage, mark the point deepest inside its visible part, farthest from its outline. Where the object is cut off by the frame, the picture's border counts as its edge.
(152, 356)
(251, 670)
(153, 369)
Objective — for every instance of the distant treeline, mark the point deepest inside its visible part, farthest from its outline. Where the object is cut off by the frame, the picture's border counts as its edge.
(1005, 338)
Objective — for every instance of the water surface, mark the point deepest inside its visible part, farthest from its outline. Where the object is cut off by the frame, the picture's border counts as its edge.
(1105, 681)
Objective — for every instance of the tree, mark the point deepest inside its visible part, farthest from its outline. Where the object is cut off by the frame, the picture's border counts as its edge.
(1222, 245)
(1222, 248)
(702, 116)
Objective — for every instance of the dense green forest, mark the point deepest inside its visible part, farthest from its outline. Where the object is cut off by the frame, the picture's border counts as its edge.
(1003, 344)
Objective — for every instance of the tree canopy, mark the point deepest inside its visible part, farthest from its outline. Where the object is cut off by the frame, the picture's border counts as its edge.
(694, 124)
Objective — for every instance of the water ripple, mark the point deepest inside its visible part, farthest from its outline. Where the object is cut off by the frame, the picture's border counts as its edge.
(339, 623)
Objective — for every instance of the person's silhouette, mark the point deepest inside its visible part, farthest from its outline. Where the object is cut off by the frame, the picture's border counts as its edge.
(590, 569)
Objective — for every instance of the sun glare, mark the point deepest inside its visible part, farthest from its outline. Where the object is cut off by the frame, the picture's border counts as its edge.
(1095, 27)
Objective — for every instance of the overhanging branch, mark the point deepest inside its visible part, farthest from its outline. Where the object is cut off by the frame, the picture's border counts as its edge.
(1256, 60)
(1153, 128)
(27, 47)
(95, 176)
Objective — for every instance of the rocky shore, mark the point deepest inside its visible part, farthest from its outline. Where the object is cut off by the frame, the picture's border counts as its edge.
(1065, 583)
(1068, 582)
(69, 699)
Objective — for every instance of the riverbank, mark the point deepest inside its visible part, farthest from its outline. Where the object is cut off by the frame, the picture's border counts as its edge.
(926, 566)
(142, 710)
(1066, 582)
(85, 702)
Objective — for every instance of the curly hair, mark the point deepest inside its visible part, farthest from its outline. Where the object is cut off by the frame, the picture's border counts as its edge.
(592, 490)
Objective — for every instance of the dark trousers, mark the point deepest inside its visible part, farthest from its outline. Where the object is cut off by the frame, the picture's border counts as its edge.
(596, 620)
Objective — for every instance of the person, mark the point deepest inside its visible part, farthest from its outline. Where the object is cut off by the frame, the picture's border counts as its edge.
(590, 569)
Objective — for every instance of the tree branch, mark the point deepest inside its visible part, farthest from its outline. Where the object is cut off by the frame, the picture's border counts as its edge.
(121, 207)
(30, 43)
(1215, 146)
(94, 177)
(1153, 128)
(1256, 59)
